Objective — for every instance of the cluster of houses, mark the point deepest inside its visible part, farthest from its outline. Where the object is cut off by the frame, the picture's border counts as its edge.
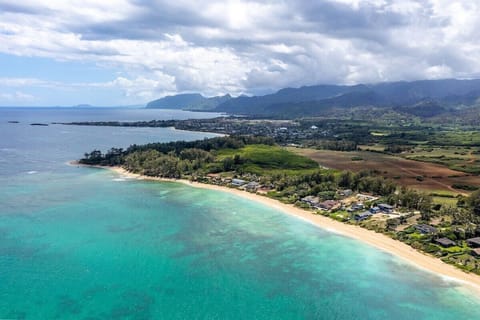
(357, 208)
(285, 131)
(380, 208)
(326, 205)
(473, 243)
(251, 186)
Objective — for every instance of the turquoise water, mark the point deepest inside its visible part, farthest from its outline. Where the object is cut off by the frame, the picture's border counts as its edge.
(81, 243)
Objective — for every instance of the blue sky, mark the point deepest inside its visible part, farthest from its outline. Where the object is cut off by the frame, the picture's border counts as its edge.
(124, 52)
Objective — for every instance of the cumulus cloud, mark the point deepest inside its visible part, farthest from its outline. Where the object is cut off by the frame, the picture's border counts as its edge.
(255, 46)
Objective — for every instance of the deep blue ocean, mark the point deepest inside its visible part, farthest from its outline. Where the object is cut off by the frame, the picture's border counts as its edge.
(85, 243)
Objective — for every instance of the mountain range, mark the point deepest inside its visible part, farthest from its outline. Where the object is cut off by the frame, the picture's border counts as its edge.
(425, 98)
(189, 101)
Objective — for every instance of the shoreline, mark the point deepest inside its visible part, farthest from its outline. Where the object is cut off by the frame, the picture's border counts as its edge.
(380, 241)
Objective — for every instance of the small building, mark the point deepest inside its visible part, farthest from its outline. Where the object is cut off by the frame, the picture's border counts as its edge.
(345, 193)
(445, 242)
(327, 205)
(362, 215)
(476, 252)
(356, 207)
(311, 200)
(238, 182)
(252, 186)
(374, 210)
(385, 208)
(425, 229)
(474, 242)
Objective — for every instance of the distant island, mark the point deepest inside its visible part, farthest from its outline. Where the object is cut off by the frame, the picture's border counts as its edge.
(82, 106)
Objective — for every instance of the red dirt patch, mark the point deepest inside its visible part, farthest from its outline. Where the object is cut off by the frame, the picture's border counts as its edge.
(405, 172)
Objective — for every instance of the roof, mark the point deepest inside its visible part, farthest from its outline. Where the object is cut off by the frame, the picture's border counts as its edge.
(384, 205)
(310, 199)
(445, 242)
(363, 214)
(330, 202)
(327, 204)
(238, 181)
(474, 240)
(425, 228)
(476, 251)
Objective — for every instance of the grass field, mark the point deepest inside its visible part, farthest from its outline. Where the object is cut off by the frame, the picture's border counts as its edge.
(263, 159)
(416, 174)
(456, 158)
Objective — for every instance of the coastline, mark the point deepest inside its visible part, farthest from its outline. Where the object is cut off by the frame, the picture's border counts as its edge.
(377, 240)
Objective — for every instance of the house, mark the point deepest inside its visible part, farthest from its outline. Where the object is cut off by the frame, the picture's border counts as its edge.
(311, 200)
(474, 242)
(252, 186)
(238, 182)
(425, 229)
(476, 252)
(374, 210)
(345, 193)
(445, 242)
(327, 205)
(356, 207)
(362, 216)
(385, 208)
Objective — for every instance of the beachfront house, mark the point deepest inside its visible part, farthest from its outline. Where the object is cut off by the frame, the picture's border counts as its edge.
(362, 215)
(252, 186)
(327, 205)
(474, 242)
(385, 208)
(238, 182)
(425, 229)
(311, 200)
(445, 242)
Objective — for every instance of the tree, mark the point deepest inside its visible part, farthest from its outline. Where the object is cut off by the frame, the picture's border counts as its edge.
(473, 201)
(345, 180)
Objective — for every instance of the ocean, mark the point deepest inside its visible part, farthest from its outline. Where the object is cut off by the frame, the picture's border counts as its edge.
(86, 243)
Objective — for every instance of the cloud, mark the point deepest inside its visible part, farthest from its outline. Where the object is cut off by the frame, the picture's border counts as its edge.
(256, 46)
(17, 97)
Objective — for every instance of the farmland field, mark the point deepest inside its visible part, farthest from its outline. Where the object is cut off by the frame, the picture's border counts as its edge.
(415, 174)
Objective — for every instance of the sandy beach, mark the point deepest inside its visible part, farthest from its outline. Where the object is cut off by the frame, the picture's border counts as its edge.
(372, 238)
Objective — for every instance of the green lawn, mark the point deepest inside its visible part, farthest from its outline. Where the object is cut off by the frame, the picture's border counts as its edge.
(262, 159)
